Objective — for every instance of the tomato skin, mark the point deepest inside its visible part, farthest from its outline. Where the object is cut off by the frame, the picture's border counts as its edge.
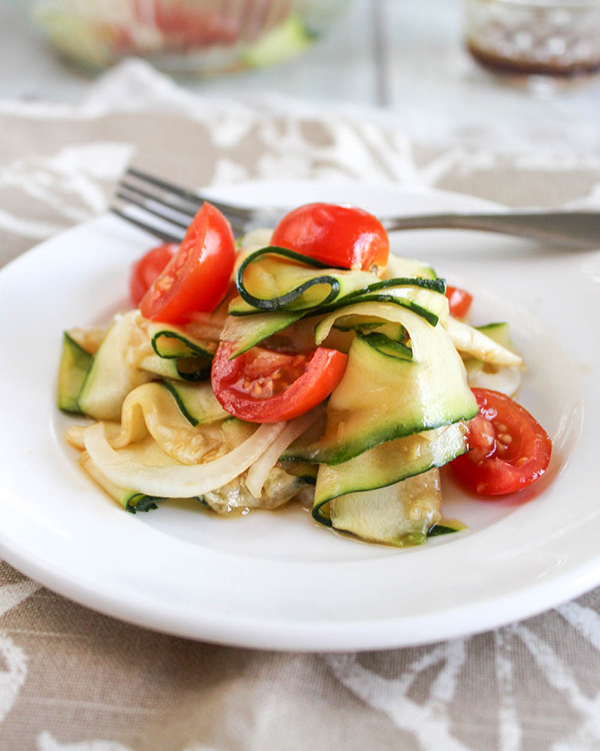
(509, 448)
(147, 269)
(342, 236)
(237, 383)
(459, 300)
(197, 277)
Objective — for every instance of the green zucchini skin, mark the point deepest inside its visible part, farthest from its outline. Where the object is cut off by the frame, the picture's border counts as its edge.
(302, 470)
(248, 331)
(403, 267)
(387, 464)
(130, 500)
(384, 396)
(387, 346)
(287, 297)
(171, 342)
(426, 297)
(298, 288)
(110, 377)
(189, 358)
(188, 369)
(136, 502)
(294, 281)
(446, 528)
(400, 515)
(421, 296)
(197, 403)
(74, 365)
(177, 355)
(253, 319)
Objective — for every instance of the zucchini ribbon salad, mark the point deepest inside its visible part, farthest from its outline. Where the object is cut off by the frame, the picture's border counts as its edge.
(304, 363)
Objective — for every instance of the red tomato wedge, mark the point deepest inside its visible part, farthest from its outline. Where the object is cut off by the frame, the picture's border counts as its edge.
(264, 386)
(148, 268)
(459, 301)
(197, 277)
(509, 448)
(342, 236)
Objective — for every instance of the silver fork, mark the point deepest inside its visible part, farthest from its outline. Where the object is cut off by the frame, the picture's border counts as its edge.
(165, 211)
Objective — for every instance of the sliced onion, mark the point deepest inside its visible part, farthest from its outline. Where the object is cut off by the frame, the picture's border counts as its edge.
(259, 470)
(506, 380)
(172, 479)
(473, 342)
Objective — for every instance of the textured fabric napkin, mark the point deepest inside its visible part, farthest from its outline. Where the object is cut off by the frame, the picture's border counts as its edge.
(74, 680)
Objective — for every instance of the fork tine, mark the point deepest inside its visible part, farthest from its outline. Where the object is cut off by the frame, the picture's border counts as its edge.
(168, 187)
(131, 199)
(163, 212)
(174, 205)
(150, 228)
(133, 189)
(238, 225)
(237, 215)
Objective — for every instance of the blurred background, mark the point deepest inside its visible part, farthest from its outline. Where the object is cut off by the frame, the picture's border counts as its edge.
(407, 57)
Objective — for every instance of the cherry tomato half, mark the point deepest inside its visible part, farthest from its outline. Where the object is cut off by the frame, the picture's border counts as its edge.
(197, 277)
(459, 300)
(509, 448)
(341, 236)
(147, 269)
(265, 386)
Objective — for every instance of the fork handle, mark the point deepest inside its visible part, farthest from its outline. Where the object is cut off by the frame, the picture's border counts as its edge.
(573, 229)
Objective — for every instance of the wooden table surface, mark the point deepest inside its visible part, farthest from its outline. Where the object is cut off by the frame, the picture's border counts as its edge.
(404, 56)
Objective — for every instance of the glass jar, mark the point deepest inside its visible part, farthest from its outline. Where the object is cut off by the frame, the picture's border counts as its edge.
(183, 36)
(559, 38)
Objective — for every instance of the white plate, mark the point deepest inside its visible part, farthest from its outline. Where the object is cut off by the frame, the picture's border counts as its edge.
(276, 580)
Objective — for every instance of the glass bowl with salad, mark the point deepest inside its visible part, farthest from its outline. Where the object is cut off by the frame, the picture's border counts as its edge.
(301, 364)
(183, 36)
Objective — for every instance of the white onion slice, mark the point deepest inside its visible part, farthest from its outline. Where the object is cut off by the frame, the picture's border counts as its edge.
(259, 470)
(171, 479)
(473, 342)
(506, 380)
